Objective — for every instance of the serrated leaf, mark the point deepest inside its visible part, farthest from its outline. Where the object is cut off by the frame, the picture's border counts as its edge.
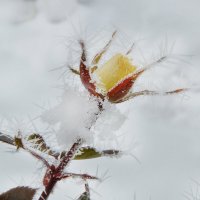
(39, 143)
(87, 153)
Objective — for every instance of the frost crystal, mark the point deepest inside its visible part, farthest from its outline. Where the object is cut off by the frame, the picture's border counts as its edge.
(72, 117)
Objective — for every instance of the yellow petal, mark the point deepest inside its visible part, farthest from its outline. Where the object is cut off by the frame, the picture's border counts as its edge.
(113, 71)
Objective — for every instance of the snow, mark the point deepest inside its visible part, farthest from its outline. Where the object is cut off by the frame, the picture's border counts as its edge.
(111, 119)
(74, 116)
(166, 129)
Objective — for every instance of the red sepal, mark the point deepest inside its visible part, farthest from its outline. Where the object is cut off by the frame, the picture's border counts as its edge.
(87, 81)
(120, 90)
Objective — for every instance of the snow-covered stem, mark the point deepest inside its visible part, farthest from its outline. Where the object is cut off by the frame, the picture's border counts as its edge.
(56, 173)
(69, 155)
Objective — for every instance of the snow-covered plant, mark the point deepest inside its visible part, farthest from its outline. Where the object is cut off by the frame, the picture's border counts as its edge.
(77, 115)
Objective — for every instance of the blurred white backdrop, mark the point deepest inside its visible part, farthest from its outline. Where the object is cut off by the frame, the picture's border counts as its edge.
(34, 38)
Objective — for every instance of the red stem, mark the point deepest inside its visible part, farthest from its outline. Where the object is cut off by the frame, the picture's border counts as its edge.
(55, 175)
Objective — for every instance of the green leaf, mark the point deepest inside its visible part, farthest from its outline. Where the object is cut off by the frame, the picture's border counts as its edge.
(90, 153)
(87, 153)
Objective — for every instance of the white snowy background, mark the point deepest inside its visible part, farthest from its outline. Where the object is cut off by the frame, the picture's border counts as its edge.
(163, 132)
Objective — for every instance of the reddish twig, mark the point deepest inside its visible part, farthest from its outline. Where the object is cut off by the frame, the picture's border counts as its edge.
(55, 174)
(81, 176)
(18, 141)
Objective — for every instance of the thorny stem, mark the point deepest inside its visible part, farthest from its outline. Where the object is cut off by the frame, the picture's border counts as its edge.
(48, 189)
(34, 154)
(55, 175)
(69, 156)
(58, 173)
(20, 144)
